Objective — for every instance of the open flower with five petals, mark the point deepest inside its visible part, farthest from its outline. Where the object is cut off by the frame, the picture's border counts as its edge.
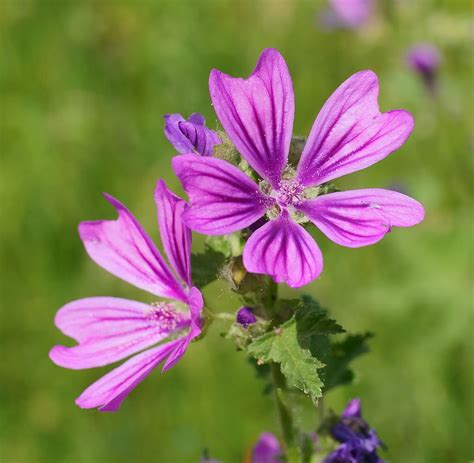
(109, 329)
(349, 134)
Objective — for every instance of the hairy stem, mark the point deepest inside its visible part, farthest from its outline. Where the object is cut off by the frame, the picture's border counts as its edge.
(280, 388)
(284, 414)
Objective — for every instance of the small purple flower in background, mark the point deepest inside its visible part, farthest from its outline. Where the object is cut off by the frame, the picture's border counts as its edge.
(267, 449)
(348, 135)
(109, 329)
(425, 59)
(350, 14)
(245, 317)
(359, 443)
(190, 136)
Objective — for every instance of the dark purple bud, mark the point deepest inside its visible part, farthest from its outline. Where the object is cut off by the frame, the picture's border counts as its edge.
(245, 316)
(190, 136)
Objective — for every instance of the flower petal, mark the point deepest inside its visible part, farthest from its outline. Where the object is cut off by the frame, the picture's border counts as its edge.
(110, 329)
(180, 142)
(350, 133)
(124, 249)
(361, 217)
(190, 136)
(108, 392)
(223, 199)
(284, 250)
(257, 113)
(175, 236)
(195, 303)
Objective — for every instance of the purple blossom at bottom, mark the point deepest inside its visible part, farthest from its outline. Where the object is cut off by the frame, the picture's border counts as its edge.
(190, 136)
(267, 449)
(108, 329)
(359, 443)
(245, 316)
(425, 59)
(349, 14)
(349, 134)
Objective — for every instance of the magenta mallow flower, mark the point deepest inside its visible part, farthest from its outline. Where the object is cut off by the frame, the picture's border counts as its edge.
(348, 135)
(108, 329)
(190, 136)
(245, 316)
(267, 449)
(425, 59)
(350, 14)
(359, 443)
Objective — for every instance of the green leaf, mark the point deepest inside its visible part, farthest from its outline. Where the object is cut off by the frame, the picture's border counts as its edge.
(297, 364)
(312, 320)
(298, 345)
(205, 266)
(231, 245)
(341, 353)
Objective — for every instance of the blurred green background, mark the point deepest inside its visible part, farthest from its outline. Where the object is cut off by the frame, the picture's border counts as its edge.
(84, 85)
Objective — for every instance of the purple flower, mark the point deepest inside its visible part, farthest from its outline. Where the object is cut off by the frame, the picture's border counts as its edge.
(109, 329)
(267, 449)
(190, 136)
(425, 59)
(349, 14)
(359, 443)
(349, 134)
(245, 316)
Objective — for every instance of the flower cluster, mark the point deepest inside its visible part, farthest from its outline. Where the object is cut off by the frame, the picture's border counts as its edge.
(271, 201)
(359, 443)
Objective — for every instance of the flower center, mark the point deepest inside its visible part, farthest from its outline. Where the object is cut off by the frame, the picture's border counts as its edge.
(289, 193)
(165, 318)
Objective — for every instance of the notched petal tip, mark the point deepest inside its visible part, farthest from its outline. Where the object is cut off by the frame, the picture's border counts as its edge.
(257, 113)
(285, 251)
(350, 133)
(358, 218)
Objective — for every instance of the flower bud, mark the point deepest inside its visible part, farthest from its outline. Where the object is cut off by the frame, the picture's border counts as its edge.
(245, 316)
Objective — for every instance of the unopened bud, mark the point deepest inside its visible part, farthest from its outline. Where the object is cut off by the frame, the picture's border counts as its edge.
(245, 316)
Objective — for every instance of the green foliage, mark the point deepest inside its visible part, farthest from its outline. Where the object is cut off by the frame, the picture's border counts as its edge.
(205, 266)
(297, 364)
(290, 343)
(229, 245)
(313, 320)
(341, 353)
(309, 359)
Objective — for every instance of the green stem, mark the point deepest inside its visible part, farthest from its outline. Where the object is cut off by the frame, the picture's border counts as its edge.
(280, 389)
(284, 414)
(223, 316)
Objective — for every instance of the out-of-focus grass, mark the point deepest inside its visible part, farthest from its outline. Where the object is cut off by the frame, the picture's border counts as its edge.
(84, 86)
